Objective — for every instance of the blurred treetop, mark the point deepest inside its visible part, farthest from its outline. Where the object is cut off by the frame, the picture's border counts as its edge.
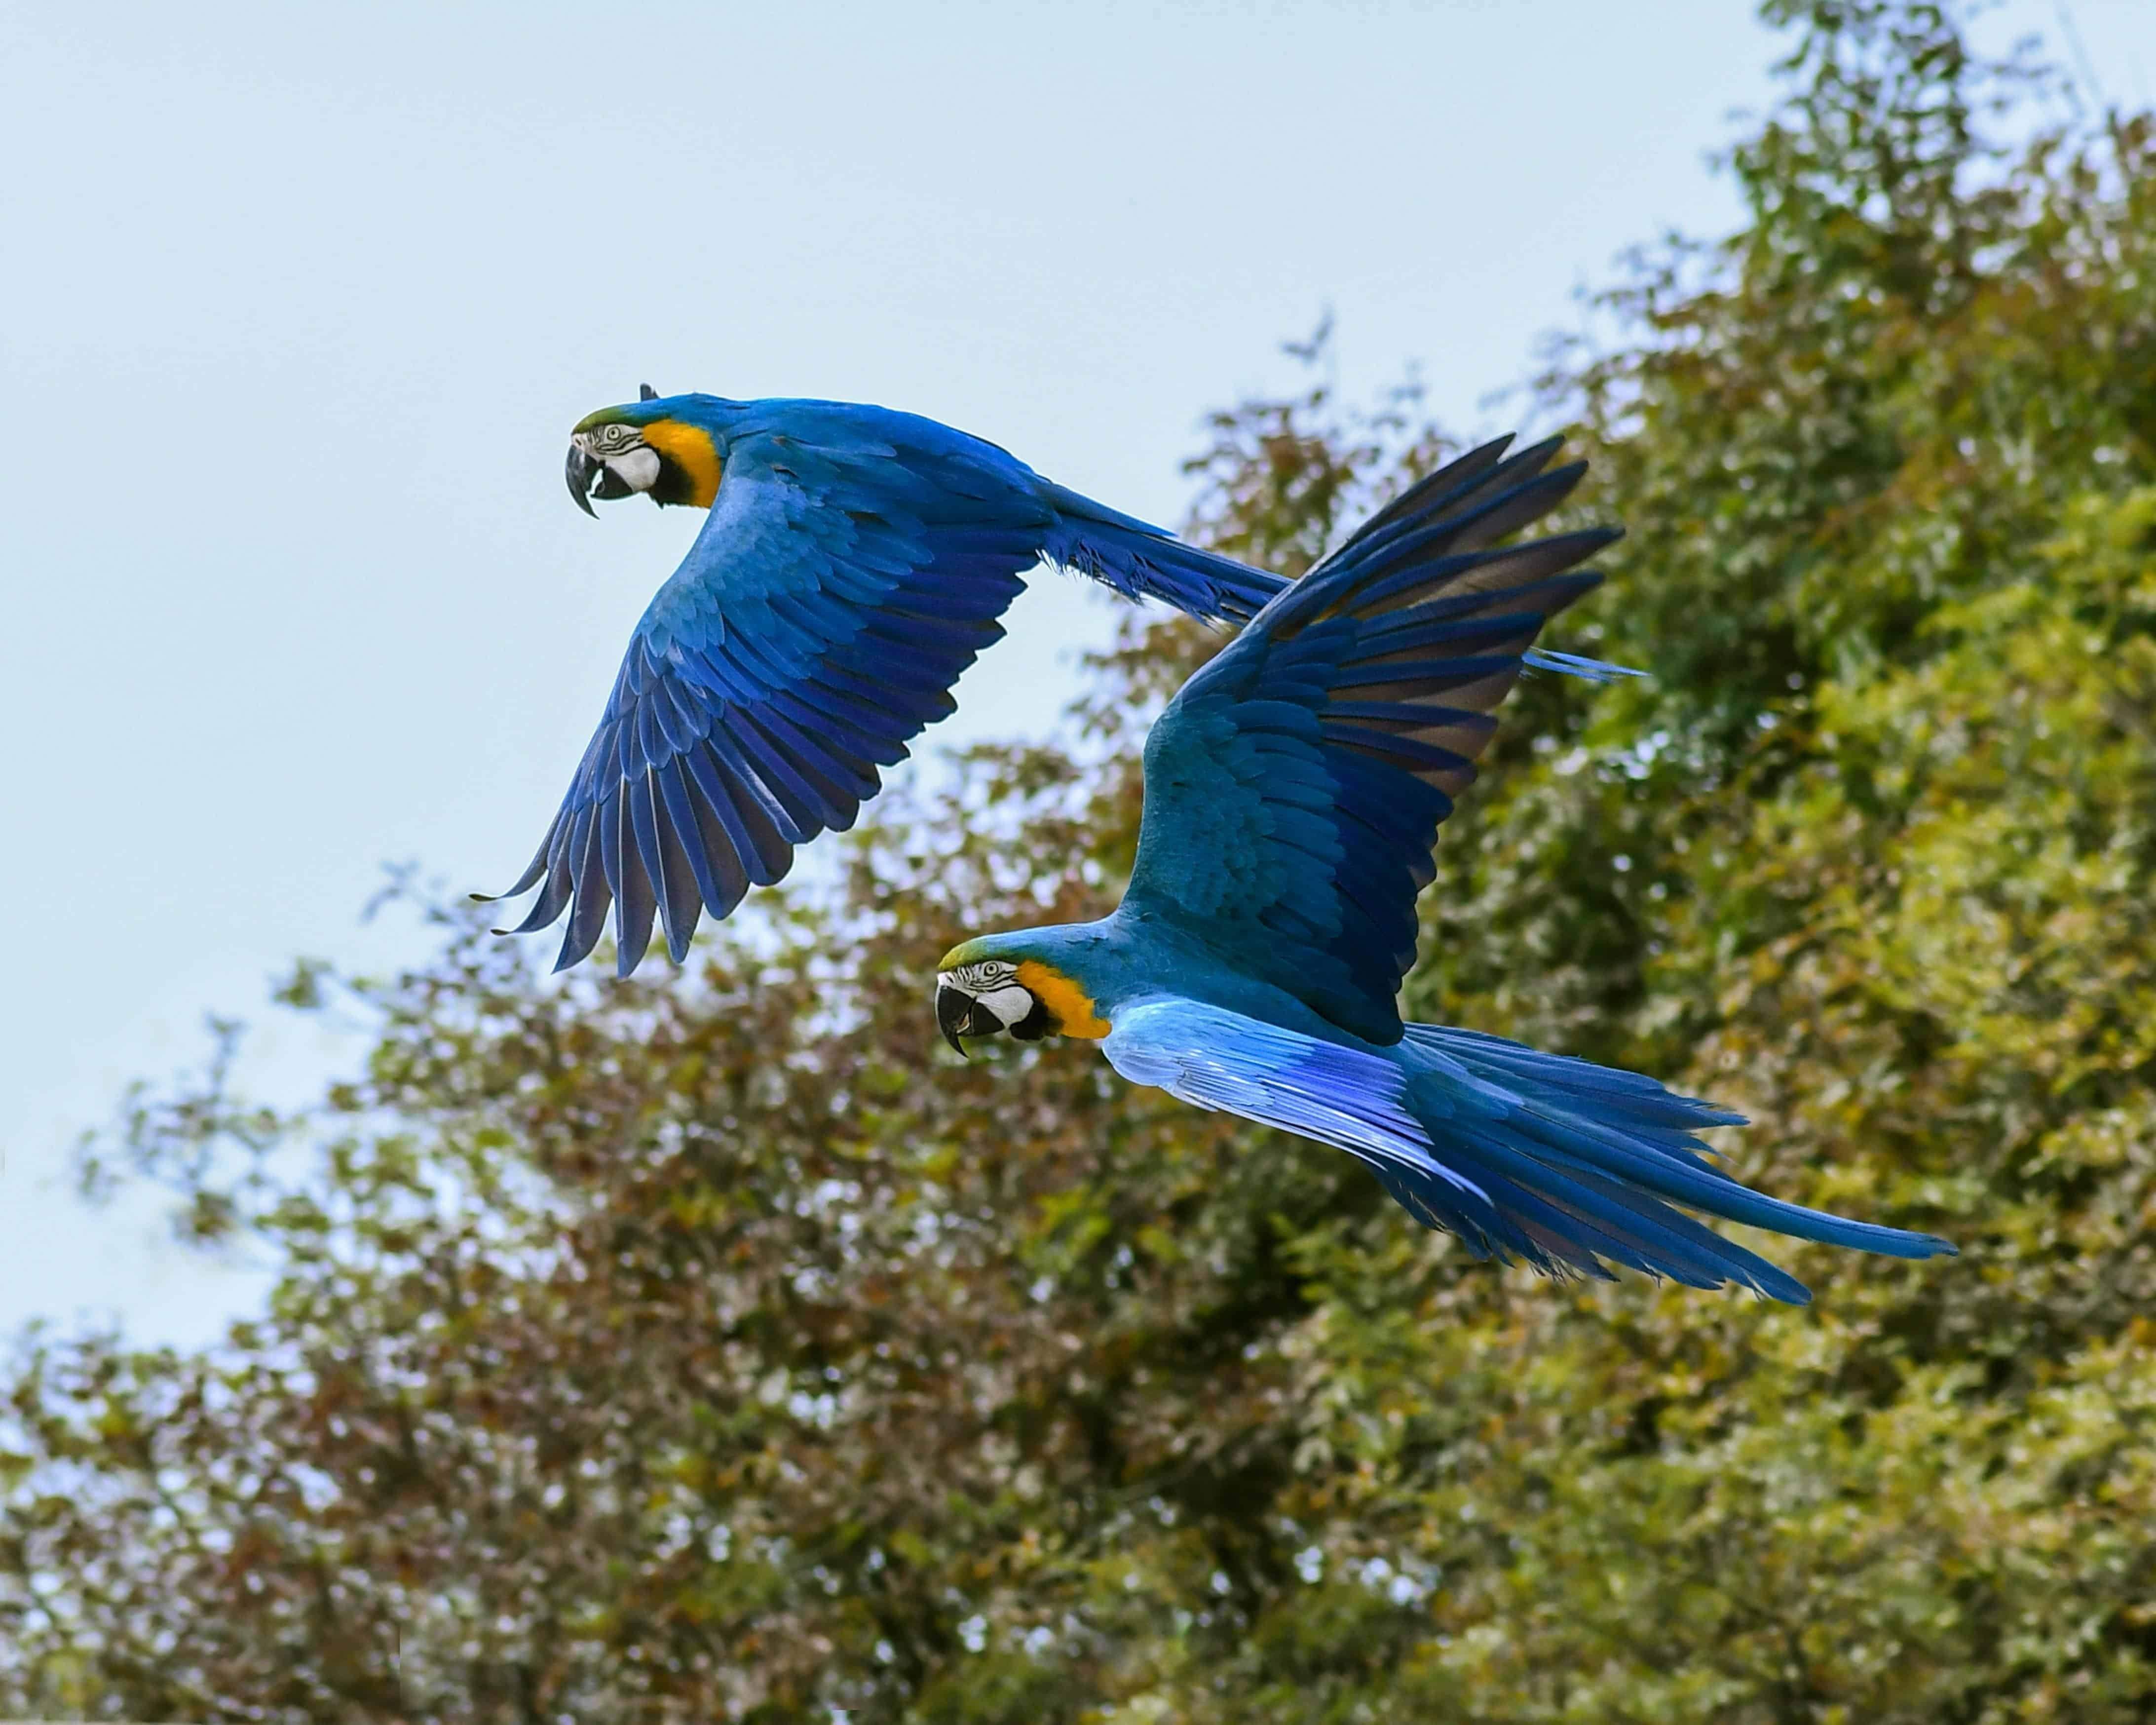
(717, 1349)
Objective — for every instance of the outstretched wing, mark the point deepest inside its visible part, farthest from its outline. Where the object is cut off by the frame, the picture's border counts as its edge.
(832, 599)
(1294, 787)
(1529, 1157)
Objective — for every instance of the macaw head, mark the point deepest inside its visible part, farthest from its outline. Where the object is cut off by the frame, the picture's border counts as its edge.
(646, 445)
(1002, 983)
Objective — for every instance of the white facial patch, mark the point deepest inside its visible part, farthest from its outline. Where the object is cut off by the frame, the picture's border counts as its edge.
(638, 468)
(1010, 1004)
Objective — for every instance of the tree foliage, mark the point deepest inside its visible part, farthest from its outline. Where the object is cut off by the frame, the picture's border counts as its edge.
(715, 1346)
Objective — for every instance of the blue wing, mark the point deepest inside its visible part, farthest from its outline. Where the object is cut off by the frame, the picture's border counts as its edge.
(817, 623)
(1294, 787)
(1557, 1162)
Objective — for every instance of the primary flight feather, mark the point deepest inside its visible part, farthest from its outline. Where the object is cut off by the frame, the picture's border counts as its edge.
(1293, 791)
(854, 563)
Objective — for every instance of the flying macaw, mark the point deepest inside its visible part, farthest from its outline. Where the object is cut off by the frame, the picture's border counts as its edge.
(1293, 791)
(854, 563)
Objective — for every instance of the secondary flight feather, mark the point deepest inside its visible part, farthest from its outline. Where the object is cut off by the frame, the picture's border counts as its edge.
(1293, 791)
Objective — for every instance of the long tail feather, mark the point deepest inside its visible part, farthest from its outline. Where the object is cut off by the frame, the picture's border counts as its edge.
(1576, 1164)
(1141, 561)
(1571, 664)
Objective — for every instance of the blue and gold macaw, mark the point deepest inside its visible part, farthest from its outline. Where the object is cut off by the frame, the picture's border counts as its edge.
(854, 563)
(1293, 791)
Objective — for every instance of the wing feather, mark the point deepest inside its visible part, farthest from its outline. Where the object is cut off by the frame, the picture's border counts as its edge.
(695, 836)
(592, 894)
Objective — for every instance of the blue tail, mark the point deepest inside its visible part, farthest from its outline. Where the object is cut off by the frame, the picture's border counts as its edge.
(1140, 561)
(1571, 664)
(1576, 1164)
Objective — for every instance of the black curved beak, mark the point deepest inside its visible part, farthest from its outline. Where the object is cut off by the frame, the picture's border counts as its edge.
(959, 1014)
(583, 475)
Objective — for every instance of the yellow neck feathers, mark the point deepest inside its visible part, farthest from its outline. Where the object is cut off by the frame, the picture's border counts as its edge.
(691, 451)
(1072, 1005)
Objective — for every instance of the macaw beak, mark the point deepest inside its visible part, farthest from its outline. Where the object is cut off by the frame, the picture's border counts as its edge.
(589, 478)
(583, 474)
(957, 1013)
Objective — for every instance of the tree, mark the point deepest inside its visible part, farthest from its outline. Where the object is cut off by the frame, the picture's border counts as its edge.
(714, 1347)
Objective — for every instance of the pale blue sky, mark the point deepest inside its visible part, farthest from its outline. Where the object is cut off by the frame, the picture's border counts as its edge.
(300, 302)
